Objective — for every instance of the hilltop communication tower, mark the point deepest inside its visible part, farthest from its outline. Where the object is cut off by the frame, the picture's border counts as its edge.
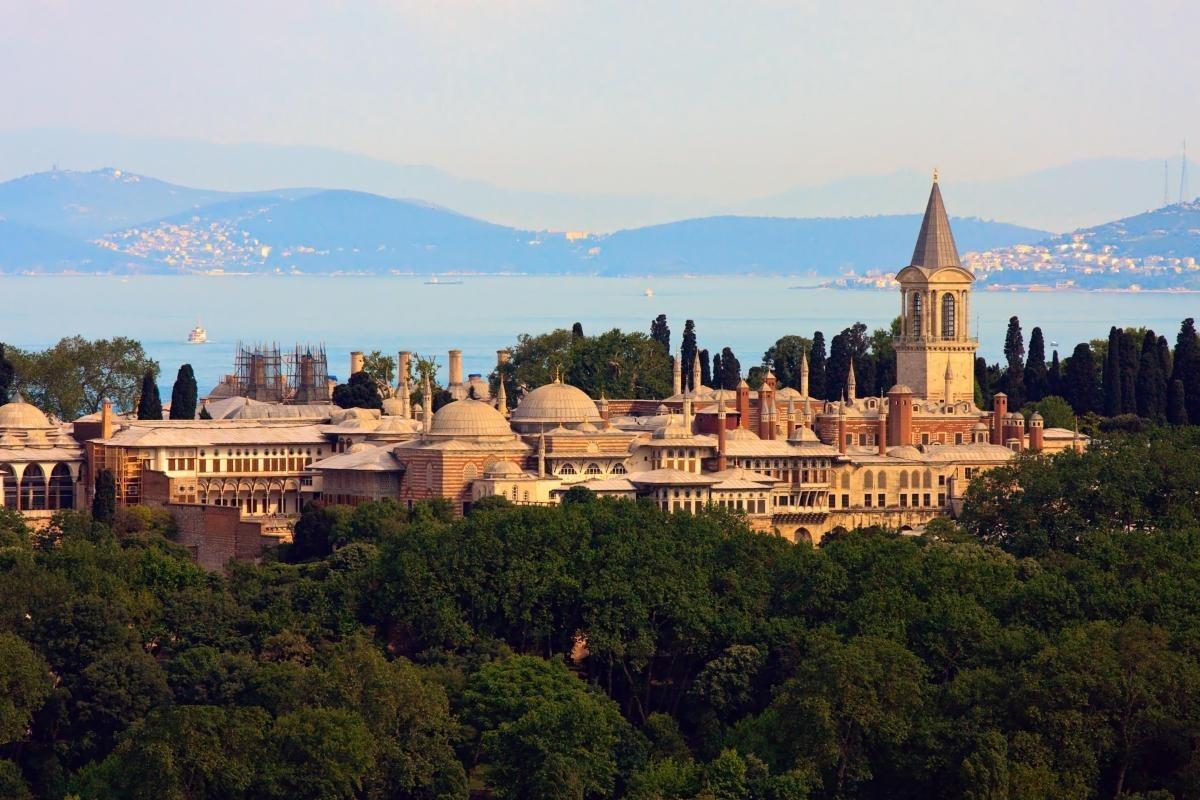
(1183, 194)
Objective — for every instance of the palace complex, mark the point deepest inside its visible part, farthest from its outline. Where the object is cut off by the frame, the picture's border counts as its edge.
(796, 466)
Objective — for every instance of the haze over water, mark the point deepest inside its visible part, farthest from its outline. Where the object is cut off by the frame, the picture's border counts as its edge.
(486, 313)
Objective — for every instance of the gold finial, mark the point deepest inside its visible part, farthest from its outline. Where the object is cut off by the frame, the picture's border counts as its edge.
(935, 174)
(558, 373)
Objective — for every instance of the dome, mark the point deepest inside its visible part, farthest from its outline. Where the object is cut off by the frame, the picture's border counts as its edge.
(501, 469)
(19, 414)
(468, 419)
(392, 407)
(556, 403)
(900, 388)
(359, 447)
(803, 434)
(396, 425)
(742, 435)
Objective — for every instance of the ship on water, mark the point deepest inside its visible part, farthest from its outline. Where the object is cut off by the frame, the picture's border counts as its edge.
(198, 335)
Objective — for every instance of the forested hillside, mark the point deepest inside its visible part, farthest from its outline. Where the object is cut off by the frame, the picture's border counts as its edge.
(1048, 648)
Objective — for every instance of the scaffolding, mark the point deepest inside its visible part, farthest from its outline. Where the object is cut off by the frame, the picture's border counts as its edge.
(308, 374)
(258, 373)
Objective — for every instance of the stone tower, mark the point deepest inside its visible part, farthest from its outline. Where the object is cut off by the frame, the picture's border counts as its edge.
(935, 354)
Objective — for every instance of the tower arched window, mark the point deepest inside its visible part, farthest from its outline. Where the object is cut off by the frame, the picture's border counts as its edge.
(62, 487)
(8, 482)
(33, 488)
(916, 315)
(949, 322)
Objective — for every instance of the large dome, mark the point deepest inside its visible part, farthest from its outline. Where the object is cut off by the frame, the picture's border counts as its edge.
(18, 414)
(556, 404)
(468, 418)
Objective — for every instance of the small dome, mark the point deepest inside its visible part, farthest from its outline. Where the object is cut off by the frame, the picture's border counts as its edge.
(900, 388)
(359, 447)
(742, 435)
(396, 425)
(980, 426)
(19, 414)
(556, 403)
(393, 407)
(469, 419)
(501, 469)
(1036, 417)
(788, 393)
(803, 434)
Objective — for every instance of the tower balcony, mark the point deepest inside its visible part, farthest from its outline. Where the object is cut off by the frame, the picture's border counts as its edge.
(904, 341)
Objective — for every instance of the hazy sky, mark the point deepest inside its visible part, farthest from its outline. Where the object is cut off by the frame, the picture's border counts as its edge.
(721, 99)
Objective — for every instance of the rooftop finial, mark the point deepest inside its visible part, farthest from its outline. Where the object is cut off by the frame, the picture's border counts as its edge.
(935, 174)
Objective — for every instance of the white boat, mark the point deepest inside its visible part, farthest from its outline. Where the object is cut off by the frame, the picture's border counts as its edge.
(434, 281)
(197, 335)
(649, 293)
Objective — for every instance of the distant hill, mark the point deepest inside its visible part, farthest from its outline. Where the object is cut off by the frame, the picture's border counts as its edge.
(1159, 249)
(90, 222)
(1061, 198)
(87, 204)
(26, 249)
(819, 247)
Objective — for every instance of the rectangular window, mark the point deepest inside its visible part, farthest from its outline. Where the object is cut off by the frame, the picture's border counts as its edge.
(845, 501)
(958, 438)
(833, 501)
(924, 438)
(941, 500)
(882, 500)
(903, 500)
(926, 498)
(867, 500)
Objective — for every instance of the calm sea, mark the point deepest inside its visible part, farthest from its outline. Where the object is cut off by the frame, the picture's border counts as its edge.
(485, 313)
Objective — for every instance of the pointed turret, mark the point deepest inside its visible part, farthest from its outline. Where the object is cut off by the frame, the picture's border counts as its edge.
(696, 372)
(851, 384)
(949, 378)
(677, 374)
(804, 374)
(501, 398)
(935, 243)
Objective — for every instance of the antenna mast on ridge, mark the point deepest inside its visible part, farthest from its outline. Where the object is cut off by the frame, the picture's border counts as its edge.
(1166, 183)
(1183, 173)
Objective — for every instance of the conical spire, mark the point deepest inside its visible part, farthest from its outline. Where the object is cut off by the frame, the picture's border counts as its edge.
(851, 384)
(935, 244)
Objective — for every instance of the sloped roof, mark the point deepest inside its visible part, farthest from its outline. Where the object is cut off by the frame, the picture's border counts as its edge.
(935, 243)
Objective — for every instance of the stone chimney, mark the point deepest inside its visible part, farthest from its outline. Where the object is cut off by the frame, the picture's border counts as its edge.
(677, 374)
(456, 373)
(999, 412)
(1037, 427)
(881, 431)
(356, 362)
(900, 410)
(722, 460)
(743, 404)
(107, 423)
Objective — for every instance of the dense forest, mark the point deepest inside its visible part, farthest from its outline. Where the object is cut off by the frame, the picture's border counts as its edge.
(1047, 646)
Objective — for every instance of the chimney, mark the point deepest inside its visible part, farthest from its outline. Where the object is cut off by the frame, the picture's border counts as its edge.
(881, 431)
(722, 461)
(356, 361)
(502, 357)
(687, 413)
(1036, 433)
(403, 360)
(900, 411)
(804, 375)
(999, 412)
(791, 417)
(677, 375)
(603, 410)
(107, 423)
(427, 406)
(456, 373)
(743, 404)
(841, 428)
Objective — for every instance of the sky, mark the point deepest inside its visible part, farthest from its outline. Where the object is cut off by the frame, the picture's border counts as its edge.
(722, 99)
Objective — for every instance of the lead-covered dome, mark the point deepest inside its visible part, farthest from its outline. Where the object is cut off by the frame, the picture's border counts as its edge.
(22, 415)
(555, 404)
(469, 419)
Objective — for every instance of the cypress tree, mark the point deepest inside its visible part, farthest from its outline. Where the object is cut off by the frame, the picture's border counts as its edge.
(716, 372)
(1112, 374)
(1151, 388)
(1176, 407)
(1054, 376)
(731, 369)
(104, 501)
(184, 394)
(149, 403)
(204, 413)
(816, 367)
(1079, 380)
(1036, 374)
(1013, 381)
(838, 367)
(705, 369)
(688, 352)
(1186, 368)
(7, 373)
(660, 333)
(983, 384)
(577, 330)
(1129, 373)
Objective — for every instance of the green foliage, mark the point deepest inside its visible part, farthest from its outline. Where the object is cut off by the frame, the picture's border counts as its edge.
(7, 375)
(361, 391)
(613, 363)
(184, 394)
(74, 377)
(24, 683)
(784, 358)
(1056, 412)
(104, 500)
(381, 367)
(149, 404)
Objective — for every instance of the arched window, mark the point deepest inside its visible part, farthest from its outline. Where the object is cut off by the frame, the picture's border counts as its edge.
(915, 316)
(948, 321)
(62, 488)
(470, 473)
(618, 469)
(33, 488)
(903, 480)
(566, 469)
(881, 480)
(869, 480)
(916, 479)
(8, 486)
(592, 469)
(928, 479)
(846, 480)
